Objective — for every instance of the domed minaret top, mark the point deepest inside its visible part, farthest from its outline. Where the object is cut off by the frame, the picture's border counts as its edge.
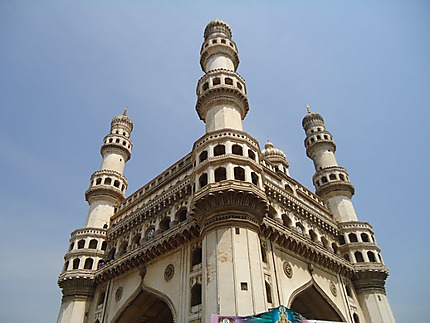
(275, 156)
(217, 28)
(218, 51)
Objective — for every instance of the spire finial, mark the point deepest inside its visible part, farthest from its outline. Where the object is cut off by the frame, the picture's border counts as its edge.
(307, 107)
(125, 111)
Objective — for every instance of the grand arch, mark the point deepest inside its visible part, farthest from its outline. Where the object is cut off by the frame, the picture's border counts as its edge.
(145, 307)
(312, 303)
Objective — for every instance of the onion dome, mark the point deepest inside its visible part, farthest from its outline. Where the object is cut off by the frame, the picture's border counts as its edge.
(217, 28)
(273, 154)
(312, 119)
(122, 121)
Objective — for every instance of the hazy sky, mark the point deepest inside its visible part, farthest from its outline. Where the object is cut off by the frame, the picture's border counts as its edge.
(68, 67)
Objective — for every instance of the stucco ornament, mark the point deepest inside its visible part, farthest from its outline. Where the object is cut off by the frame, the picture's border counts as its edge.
(333, 289)
(118, 294)
(169, 272)
(288, 270)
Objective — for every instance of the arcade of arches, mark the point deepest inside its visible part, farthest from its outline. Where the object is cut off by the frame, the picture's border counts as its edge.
(146, 308)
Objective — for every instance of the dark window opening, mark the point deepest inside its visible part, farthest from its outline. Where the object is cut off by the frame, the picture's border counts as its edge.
(251, 154)
(216, 81)
(197, 257)
(203, 156)
(358, 256)
(219, 150)
(352, 237)
(89, 263)
(364, 237)
(237, 150)
(203, 180)
(371, 256)
(268, 292)
(196, 295)
(93, 244)
(254, 178)
(239, 173)
(220, 174)
(76, 263)
(81, 244)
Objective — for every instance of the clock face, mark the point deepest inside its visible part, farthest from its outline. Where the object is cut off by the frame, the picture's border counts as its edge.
(151, 233)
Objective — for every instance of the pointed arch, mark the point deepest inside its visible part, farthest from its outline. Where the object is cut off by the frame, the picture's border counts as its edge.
(143, 300)
(321, 307)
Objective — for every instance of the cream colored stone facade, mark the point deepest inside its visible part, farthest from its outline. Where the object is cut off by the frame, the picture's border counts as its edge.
(225, 230)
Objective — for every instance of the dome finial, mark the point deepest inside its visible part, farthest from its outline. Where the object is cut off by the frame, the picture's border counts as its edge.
(307, 107)
(125, 111)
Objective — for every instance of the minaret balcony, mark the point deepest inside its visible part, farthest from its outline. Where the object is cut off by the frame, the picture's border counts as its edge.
(219, 46)
(113, 142)
(323, 141)
(332, 181)
(221, 85)
(107, 183)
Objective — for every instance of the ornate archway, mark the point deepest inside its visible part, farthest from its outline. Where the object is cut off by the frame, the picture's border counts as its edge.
(312, 304)
(146, 307)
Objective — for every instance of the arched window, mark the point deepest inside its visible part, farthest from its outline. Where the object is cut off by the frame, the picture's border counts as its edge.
(286, 220)
(203, 156)
(101, 263)
(76, 263)
(216, 81)
(251, 154)
(289, 189)
(313, 235)
(197, 256)
(371, 256)
(254, 178)
(324, 179)
(332, 177)
(324, 242)
(116, 183)
(108, 181)
(342, 178)
(71, 246)
(268, 292)
(196, 294)
(228, 81)
(239, 173)
(205, 86)
(341, 240)
(123, 248)
(93, 244)
(352, 237)
(203, 180)
(66, 266)
(136, 240)
(220, 174)
(88, 263)
(81, 244)
(358, 256)
(182, 215)
(364, 237)
(346, 257)
(335, 248)
(219, 150)
(104, 245)
(237, 150)
(98, 181)
(164, 224)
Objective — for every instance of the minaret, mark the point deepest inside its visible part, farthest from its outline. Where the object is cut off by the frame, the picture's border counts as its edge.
(221, 92)
(88, 245)
(357, 240)
(229, 201)
(331, 181)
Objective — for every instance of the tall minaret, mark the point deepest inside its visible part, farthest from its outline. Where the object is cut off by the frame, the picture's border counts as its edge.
(330, 180)
(222, 101)
(229, 201)
(358, 244)
(88, 245)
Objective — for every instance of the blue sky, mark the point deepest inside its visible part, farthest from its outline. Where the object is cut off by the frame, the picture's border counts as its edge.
(68, 67)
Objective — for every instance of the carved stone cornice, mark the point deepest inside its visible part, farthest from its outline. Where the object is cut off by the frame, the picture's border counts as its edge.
(370, 276)
(152, 249)
(229, 200)
(297, 243)
(293, 204)
(224, 134)
(77, 283)
(165, 201)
